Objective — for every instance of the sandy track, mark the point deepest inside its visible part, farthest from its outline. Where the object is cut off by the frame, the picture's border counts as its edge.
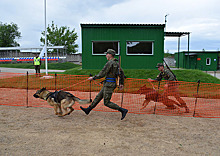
(37, 131)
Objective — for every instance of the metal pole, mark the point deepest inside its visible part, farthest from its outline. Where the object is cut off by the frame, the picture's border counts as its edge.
(27, 89)
(166, 21)
(188, 50)
(178, 52)
(45, 36)
(55, 81)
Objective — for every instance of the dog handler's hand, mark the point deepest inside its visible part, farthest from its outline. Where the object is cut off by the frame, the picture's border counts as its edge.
(90, 78)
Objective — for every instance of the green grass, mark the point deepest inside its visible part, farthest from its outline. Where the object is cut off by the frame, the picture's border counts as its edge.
(187, 75)
(58, 66)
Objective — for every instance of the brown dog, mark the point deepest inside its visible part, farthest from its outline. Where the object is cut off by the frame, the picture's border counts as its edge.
(153, 95)
(60, 100)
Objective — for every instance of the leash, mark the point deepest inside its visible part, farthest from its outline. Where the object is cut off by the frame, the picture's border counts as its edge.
(74, 84)
(152, 85)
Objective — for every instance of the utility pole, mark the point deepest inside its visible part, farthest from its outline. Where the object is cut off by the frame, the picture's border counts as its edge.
(165, 21)
(45, 37)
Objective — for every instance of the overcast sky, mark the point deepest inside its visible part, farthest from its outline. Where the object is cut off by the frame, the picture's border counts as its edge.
(200, 17)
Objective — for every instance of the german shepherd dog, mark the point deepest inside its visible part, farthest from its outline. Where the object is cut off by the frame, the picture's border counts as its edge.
(60, 100)
(152, 94)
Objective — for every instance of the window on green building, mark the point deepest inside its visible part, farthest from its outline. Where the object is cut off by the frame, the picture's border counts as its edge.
(208, 61)
(100, 47)
(140, 47)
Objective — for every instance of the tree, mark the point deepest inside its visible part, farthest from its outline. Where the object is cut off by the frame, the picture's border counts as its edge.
(8, 35)
(60, 36)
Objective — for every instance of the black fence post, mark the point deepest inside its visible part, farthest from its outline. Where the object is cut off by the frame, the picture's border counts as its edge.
(55, 81)
(27, 89)
(196, 98)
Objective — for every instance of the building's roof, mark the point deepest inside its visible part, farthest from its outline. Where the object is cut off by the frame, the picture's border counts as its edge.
(176, 34)
(201, 51)
(197, 52)
(192, 54)
(120, 25)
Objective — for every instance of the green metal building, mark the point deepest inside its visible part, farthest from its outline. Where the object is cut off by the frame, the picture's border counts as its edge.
(202, 60)
(141, 46)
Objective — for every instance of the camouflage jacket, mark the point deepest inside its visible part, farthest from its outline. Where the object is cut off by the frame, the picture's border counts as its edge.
(110, 71)
(167, 75)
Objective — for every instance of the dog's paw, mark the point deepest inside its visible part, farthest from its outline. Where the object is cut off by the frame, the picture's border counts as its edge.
(60, 114)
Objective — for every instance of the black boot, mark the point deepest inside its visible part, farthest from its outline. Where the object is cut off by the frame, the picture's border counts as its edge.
(86, 110)
(123, 112)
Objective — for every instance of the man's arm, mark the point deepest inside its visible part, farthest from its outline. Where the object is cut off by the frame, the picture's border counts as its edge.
(158, 78)
(103, 72)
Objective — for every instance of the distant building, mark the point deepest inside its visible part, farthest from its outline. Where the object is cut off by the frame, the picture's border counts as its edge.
(202, 60)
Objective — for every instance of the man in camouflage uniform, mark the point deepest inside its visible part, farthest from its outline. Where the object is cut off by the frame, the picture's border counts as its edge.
(171, 87)
(110, 71)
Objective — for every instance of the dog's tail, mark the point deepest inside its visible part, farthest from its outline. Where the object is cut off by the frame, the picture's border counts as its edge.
(81, 101)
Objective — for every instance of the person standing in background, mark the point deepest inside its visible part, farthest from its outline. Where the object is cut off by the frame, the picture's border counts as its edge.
(37, 63)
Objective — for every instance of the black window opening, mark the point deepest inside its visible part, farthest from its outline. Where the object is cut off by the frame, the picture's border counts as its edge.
(140, 47)
(100, 47)
(208, 61)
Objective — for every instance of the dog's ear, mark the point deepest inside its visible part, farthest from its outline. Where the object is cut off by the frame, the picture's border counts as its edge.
(44, 88)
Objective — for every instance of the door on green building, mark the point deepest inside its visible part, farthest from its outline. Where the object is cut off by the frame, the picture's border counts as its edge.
(193, 62)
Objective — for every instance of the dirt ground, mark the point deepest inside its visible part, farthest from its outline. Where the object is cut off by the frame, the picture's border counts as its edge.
(37, 131)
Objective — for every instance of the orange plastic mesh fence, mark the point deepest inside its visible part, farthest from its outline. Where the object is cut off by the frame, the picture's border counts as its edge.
(138, 96)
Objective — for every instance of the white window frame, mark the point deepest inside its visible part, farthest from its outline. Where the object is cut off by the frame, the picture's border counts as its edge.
(209, 61)
(140, 41)
(110, 47)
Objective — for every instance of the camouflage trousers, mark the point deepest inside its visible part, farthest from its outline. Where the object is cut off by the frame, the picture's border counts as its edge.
(106, 93)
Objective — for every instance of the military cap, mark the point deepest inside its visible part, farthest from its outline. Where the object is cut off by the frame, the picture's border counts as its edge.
(110, 51)
(159, 64)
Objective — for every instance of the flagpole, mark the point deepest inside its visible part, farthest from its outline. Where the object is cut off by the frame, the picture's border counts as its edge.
(45, 37)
